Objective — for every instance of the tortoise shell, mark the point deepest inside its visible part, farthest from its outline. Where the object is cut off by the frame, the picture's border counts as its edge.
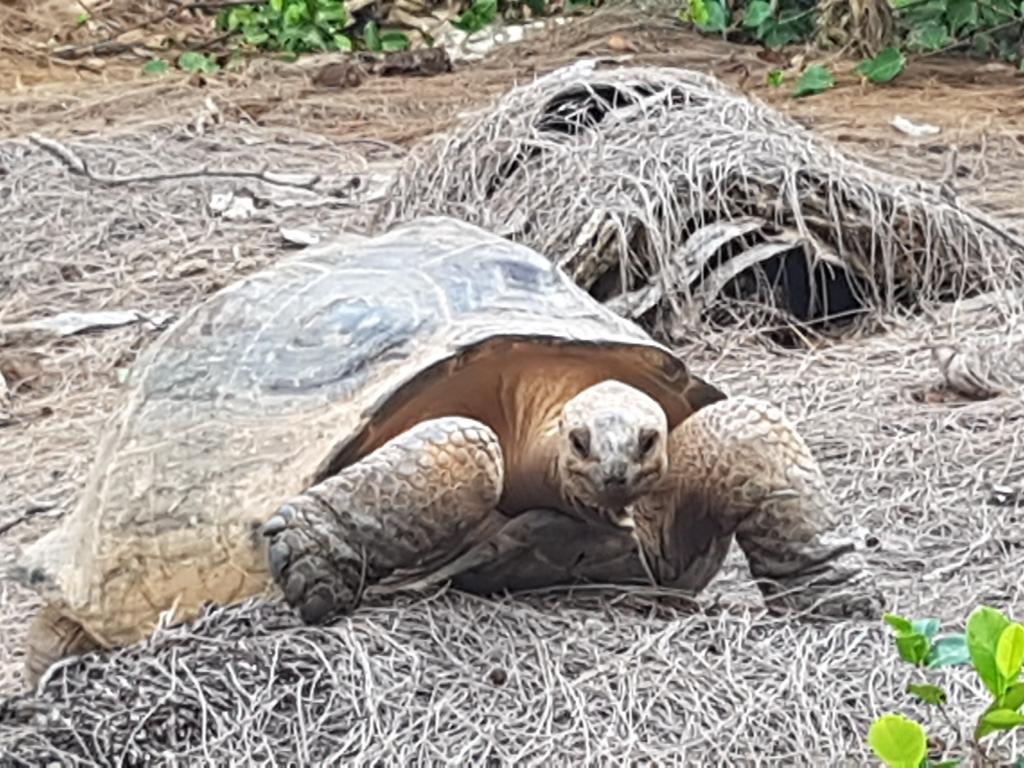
(293, 373)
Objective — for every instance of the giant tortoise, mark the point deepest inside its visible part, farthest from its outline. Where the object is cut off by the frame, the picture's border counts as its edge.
(435, 403)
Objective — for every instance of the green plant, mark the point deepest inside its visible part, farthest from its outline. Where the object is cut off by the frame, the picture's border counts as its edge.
(155, 67)
(291, 26)
(190, 61)
(993, 28)
(992, 645)
(375, 40)
(815, 79)
(883, 67)
(477, 16)
(773, 24)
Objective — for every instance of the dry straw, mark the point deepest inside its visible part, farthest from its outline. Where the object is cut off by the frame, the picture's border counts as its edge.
(661, 187)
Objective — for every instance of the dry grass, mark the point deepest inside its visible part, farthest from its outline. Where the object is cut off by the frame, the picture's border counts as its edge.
(601, 678)
(595, 678)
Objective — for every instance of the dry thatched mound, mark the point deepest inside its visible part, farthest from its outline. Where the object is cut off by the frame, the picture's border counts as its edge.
(661, 188)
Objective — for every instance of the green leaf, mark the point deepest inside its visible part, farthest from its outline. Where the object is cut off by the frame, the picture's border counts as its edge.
(190, 61)
(477, 16)
(717, 18)
(962, 14)
(537, 7)
(1013, 698)
(775, 77)
(792, 25)
(314, 38)
(277, 5)
(949, 651)
(239, 17)
(343, 43)
(394, 41)
(331, 16)
(81, 18)
(929, 694)
(898, 623)
(931, 35)
(1010, 652)
(371, 36)
(998, 720)
(255, 37)
(696, 12)
(155, 67)
(816, 79)
(926, 627)
(758, 11)
(897, 741)
(295, 14)
(918, 12)
(994, 12)
(913, 648)
(882, 69)
(984, 628)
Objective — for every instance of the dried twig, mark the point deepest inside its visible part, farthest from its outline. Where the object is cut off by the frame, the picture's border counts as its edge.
(33, 509)
(78, 166)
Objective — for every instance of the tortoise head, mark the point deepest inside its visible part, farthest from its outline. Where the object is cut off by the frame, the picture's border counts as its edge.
(611, 448)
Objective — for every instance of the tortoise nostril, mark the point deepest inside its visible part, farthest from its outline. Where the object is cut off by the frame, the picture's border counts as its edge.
(615, 474)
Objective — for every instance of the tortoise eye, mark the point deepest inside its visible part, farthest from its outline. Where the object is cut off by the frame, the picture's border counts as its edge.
(648, 439)
(579, 439)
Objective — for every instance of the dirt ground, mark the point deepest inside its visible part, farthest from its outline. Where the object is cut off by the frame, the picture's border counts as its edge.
(159, 247)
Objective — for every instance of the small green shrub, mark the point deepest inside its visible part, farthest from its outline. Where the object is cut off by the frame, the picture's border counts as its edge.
(992, 28)
(292, 26)
(992, 645)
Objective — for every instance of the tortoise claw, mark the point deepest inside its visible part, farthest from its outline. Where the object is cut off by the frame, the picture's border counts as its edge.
(280, 555)
(284, 516)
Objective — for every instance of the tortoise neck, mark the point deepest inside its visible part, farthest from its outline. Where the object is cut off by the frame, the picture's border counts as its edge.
(531, 410)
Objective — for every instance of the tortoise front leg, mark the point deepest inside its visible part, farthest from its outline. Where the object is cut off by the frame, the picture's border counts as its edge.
(412, 505)
(738, 468)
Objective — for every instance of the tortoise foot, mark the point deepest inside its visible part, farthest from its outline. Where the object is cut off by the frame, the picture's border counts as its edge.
(411, 506)
(837, 592)
(310, 564)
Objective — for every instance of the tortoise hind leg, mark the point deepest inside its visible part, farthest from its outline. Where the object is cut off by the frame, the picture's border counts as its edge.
(738, 468)
(53, 636)
(416, 502)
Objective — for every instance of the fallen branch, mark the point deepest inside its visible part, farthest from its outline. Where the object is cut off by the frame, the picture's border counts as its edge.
(79, 167)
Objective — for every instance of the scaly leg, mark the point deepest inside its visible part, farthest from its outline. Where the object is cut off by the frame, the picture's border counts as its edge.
(415, 503)
(737, 467)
